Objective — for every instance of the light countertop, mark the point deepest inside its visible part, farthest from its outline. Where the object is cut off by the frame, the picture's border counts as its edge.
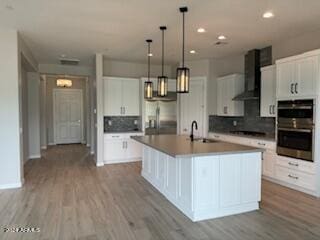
(181, 146)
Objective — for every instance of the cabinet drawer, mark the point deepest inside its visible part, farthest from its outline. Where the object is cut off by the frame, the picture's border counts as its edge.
(304, 180)
(114, 136)
(121, 135)
(296, 164)
(263, 144)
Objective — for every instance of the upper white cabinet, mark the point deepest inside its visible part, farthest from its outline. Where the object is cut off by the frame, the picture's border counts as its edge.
(121, 96)
(227, 88)
(268, 92)
(298, 76)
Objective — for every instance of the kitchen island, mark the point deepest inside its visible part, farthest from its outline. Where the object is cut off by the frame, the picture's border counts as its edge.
(204, 180)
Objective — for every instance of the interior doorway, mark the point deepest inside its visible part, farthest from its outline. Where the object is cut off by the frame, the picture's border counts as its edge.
(68, 116)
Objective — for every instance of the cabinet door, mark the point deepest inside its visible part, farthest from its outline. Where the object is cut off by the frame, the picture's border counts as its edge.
(230, 169)
(114, 150)
(133, 149)
(268, 89)
(285, 79)
(112, 97)
(268, 163)
(221, 87)
(235, 86)
(131, 97)
(307, 75)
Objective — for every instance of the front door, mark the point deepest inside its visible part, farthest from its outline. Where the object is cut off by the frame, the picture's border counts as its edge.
(68, 116)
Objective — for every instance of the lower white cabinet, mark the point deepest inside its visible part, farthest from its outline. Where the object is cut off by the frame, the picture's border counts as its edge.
(268, 163)
(121, 148)
(294, 173)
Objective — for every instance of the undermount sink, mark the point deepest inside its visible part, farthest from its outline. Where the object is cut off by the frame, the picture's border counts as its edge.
(205, 140)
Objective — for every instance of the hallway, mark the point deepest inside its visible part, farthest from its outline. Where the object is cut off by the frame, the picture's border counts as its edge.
(68, 197)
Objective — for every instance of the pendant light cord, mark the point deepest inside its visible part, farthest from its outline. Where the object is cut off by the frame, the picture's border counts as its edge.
(162, 52)
(183, 39)
(148, 61)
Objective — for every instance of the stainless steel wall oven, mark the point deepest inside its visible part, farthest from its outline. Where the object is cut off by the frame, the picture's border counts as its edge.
(295, 129)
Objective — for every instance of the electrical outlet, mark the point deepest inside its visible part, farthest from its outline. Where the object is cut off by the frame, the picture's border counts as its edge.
(235, 123)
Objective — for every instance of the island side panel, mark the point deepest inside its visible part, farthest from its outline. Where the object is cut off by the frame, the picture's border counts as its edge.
(226, 185)
(171, 176)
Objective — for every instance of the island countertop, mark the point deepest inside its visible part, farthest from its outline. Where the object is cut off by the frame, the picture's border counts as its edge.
(181, 146)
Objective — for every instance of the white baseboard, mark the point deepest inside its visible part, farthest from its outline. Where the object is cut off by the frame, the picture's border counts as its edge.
(11, 185)
(51, 144)
(35, 156)
(88, 145)
(99, 164)
(43, 147)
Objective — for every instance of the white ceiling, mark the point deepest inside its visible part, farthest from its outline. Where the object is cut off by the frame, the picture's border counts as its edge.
(118, 28)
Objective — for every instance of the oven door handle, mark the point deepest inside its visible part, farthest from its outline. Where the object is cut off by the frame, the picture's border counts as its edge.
(294, 107)
(295, 130)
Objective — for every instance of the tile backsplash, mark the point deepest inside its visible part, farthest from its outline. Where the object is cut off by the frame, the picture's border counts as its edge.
(122, 123)
(250, 122)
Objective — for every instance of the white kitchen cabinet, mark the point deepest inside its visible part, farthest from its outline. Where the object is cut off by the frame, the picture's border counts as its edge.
(227, 88)
(298, 76)
(121, 97)
(121, 148)
(307, 75)
(268, 163)
(294, 173)
(268, 92)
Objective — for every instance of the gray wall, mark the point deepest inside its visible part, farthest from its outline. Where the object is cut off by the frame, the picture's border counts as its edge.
(116, 68)
(33, 115)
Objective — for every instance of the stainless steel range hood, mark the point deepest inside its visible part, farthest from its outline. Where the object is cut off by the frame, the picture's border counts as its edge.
(252, 77)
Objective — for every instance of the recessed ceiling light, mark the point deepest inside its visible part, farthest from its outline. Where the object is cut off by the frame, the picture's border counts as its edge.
(193, 51)
(222, 37)
(201, 30)
(150, 54)
(268, 15)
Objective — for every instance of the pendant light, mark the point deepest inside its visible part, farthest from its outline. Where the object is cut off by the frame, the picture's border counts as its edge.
(162, 80)
(148, 85)
(183, 73)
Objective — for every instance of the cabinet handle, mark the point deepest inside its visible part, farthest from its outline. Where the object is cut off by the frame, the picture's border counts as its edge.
(216, 136)
(296, 88)
(293, 164)
(270, 109)
(126, 144)
(115, 136)
(124, 110)
(274, 109)
(121, 110)
(294, 177)
(292, 88)
(261, 144)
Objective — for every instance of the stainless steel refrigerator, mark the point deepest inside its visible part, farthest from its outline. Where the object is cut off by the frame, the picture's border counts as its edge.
(160, 117)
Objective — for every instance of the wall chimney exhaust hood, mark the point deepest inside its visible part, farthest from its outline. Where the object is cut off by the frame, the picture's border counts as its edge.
(252, 77)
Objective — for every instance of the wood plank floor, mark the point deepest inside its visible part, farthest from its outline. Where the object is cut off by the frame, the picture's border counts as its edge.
(67, 197)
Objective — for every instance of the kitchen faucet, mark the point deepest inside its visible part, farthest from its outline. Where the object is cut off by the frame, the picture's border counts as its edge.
(194, 123)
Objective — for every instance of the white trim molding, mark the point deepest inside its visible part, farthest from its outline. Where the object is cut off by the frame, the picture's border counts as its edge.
(11, 185)
(99, 164)
(35, 156)
(44, 147)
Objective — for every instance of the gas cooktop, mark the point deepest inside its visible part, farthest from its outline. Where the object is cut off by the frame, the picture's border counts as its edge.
(249, 133)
